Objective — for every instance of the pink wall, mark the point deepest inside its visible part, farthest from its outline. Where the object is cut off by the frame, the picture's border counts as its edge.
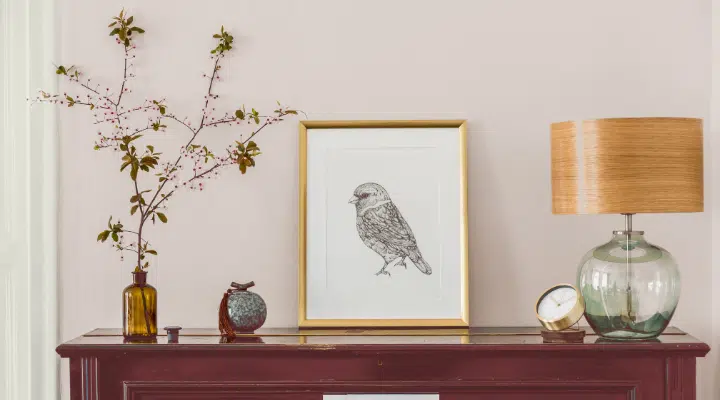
(510, 68)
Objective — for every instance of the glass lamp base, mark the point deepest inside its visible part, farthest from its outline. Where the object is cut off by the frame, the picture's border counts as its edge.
(617, 328)
(631, 287)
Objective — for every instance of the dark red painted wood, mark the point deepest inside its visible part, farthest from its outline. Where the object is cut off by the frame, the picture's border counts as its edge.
(76, 384)
(513, 366)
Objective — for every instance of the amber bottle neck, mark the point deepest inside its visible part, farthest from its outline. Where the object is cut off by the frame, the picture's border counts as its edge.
(140, 278)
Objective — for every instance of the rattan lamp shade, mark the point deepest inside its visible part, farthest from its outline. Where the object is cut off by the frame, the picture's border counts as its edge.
(627, 166)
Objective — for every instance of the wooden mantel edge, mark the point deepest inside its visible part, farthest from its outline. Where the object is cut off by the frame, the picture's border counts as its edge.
(598, 350)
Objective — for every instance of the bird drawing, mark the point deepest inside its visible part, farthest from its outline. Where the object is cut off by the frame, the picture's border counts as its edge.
(384, 230)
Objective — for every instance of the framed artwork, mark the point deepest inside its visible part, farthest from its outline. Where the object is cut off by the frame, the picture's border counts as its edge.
(383, 224)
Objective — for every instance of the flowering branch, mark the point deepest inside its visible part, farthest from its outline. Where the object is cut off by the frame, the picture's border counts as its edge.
(120, 136)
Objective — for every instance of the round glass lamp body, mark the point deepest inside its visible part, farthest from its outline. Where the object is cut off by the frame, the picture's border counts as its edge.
(631, 287)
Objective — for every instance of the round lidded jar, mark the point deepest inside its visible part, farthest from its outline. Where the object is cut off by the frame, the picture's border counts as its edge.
(247, 310)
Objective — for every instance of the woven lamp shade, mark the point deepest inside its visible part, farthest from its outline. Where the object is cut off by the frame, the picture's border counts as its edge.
(627, 166)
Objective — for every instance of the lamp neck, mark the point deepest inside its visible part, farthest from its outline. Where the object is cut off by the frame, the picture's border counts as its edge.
(628, 227)
(624, 236)
(628, 222)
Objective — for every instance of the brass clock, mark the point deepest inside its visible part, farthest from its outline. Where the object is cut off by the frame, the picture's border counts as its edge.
(560, 307)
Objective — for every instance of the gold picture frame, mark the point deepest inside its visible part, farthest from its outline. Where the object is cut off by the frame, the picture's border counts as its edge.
(303, 320)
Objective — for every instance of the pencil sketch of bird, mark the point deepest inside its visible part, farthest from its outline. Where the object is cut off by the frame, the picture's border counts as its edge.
(384, 230)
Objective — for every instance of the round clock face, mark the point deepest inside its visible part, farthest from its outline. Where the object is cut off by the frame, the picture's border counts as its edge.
(557, 303)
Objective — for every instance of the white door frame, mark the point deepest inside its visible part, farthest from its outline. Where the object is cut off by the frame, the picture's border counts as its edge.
(28, 203)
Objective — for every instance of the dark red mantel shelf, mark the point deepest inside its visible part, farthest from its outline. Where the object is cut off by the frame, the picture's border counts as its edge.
(480, 363)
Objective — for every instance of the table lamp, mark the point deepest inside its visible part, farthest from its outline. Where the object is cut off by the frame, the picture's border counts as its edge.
(628, 166)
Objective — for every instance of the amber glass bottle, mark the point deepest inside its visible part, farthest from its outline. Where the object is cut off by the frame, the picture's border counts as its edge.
(140, 308)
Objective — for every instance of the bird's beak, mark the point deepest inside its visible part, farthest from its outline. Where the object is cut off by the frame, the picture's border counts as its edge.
(353, 200)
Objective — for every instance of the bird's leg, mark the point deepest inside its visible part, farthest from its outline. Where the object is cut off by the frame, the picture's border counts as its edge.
(382, 271)
(401, 262)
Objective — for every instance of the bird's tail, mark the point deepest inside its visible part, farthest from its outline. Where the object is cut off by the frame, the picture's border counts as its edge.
(420, 262)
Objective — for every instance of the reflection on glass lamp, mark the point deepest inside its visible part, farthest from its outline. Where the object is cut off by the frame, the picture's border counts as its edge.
(627, 166)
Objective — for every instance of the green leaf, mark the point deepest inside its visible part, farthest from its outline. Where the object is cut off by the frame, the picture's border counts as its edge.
(114, 31)
(257, 120)
(129, 20)
(102, 237)
(96, 147)
(115, 236)
(151, 148)
(134, 172)
(216, 36)
(243, 167)
(162, 110)
(291, 112)
(125, 164)
(153, 252)
(134, 198)
(240, 114)
(251, 145)
(110, 223)
(61, 70)
(162, 217)
(113, 24)
(92, 107)
(133, 209)
(137, 29)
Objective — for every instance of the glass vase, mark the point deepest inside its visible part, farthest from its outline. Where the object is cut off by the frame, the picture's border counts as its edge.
(631, 287)
(140, 309)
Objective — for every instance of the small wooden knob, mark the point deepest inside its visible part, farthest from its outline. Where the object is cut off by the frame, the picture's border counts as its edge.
(173, 333)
